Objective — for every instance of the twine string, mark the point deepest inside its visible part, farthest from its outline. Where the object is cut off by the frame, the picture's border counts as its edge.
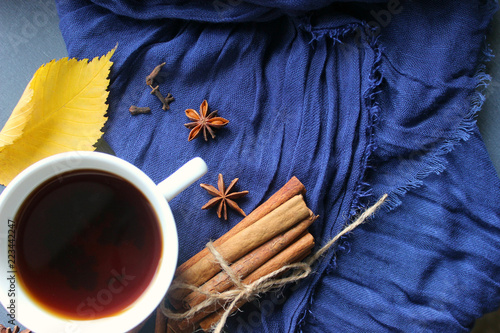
(267, 283)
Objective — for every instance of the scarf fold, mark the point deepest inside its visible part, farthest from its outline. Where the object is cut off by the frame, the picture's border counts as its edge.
(354, 98)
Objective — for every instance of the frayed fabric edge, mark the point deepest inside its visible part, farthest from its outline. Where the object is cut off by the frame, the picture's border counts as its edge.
(337, 33)
(363, 189)
(434, 162)
(363, 34)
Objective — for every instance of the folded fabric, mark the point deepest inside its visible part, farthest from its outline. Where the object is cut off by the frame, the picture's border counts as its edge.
(356, 99)
(428, 266)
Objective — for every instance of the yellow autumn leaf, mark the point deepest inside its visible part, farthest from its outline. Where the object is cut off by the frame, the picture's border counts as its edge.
(15, 124)
(62, 109)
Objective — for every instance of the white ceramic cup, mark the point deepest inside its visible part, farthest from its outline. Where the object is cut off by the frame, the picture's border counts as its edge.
(41, 321)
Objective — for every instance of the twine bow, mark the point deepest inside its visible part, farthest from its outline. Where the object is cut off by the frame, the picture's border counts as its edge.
(267, 283)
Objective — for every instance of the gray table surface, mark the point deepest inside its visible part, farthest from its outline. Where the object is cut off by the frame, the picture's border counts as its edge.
(30, 37)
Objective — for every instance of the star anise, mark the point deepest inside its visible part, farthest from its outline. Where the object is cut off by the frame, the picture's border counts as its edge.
(200, 121)
(223, 197)
(4, 329)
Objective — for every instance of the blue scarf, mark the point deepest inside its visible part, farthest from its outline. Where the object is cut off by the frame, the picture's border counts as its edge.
(356, 99)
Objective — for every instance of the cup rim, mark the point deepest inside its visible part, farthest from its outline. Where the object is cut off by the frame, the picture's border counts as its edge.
(16, 192)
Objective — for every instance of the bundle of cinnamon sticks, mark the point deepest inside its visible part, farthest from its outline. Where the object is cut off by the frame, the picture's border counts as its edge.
(272, 236)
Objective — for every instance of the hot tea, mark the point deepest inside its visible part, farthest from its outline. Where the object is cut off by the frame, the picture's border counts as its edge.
(88, 244)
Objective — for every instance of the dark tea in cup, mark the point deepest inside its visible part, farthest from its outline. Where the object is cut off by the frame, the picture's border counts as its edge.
(88, 244)
(94, 242)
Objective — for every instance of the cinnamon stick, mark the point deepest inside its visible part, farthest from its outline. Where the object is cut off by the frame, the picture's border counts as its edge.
(160, 321)
(292, 188)
(242, 268)
(294, 253)
(250, 262)
(280, 219)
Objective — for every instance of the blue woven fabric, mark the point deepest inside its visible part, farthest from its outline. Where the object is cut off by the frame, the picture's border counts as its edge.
(356, 99)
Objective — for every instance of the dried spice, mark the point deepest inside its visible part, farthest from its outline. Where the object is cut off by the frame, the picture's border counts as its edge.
(152, 76)
(271, 237)
(164, 100)
(138, 110)
(16, 329)
(223, 197)
(200, 121)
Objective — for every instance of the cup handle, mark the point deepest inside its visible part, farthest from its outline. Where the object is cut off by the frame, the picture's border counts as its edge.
(182, 178)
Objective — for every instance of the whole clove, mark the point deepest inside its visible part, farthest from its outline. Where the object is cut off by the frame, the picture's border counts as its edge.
(165, 101)
(150, 78)
(138, 110)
